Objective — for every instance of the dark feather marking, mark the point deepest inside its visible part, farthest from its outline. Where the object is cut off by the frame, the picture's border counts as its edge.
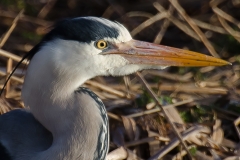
(102, 147)
(78, 29)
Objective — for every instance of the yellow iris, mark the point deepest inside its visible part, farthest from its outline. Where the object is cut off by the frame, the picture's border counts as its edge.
(101, 44)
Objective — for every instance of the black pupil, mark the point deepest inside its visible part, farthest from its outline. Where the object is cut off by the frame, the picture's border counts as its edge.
(102, 44)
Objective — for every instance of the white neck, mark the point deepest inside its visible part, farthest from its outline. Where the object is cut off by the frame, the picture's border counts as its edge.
(49, 92)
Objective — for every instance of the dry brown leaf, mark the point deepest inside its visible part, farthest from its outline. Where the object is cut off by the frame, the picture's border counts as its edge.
(130, 127)
(217, 135)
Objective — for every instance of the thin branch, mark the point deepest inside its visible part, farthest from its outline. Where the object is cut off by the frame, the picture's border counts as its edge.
(176, 22)
(138, 14)
(12, 56)
(165, 113)
(174, 142)
(8, 33)
(46, 9)
(224, 14)
(105, 88)
(108, 12)
(231, 31)
(210, 27)
(194, 27)
(26, 18)
(8, 71)
(164, 27)
(20, 80)
(148, 22)
(159, 109)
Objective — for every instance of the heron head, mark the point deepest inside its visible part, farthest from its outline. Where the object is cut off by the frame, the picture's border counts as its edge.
(102, 47)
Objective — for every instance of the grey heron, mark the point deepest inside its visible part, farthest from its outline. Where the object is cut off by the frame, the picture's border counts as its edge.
(62, 120)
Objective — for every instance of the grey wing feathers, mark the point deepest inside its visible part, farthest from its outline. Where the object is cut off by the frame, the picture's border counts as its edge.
(20, 132)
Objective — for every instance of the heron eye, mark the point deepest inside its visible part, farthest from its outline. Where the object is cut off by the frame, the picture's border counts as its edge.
(101, 44)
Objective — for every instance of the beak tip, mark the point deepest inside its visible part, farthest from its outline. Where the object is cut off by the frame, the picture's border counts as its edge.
(227, 63)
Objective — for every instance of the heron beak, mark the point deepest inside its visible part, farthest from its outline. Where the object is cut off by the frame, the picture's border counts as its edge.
(139, 52)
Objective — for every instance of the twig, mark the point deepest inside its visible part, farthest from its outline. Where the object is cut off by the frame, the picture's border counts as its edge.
(164, 27)
(106, 88)
(146, 140)
(107, 13)
(8, 71)
(231, 31)
(3, 41)
(223, 14)
(194, 27)
(12, 56)
(116, 7)
(127, 83)
(165, 113)
(46, 9)
(148, 22)
(138, 14)
(211, 27)
(22, 47)
(114, 116)
(7, 34)
(186, 134)
(236, 124)
(182, 153)
(20, 80)
(176, 22)
(193, 89)
(175, 77)
(159, 109)
(25, 18)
